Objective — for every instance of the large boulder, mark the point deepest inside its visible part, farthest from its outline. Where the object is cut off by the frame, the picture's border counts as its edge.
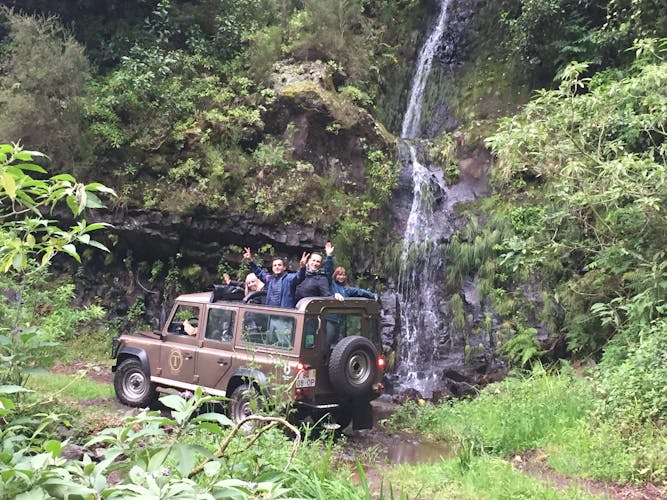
(324, 127)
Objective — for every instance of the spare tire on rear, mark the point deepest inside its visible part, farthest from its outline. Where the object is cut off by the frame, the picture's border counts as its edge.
(353, 366)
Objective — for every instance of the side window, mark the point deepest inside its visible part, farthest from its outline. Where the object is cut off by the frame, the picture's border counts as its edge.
(185, 321)
(353, 326)
(373, 329)
(220, 324)
(273, 330)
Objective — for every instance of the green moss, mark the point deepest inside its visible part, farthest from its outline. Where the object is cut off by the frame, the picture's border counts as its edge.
(192, 273)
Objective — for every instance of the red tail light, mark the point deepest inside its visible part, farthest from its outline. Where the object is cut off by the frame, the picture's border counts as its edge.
(381, 362)
(301, 366)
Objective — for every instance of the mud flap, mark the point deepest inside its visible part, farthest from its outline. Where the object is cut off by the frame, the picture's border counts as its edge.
(362, 415)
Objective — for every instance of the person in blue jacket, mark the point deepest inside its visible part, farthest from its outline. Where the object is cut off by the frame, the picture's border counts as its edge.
(338, 279)
(342, 290)
(335, 323)
(280, 284)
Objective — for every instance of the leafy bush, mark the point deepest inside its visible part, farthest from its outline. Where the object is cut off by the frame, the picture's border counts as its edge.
(21, 351)
(29, 242)
(633, 388)
(49, 309)
(590, 159)
(41, 103)
(190, 453)
(334, 28)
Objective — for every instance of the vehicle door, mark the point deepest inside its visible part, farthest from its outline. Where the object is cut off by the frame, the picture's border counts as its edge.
(178, 351)
(214, 358)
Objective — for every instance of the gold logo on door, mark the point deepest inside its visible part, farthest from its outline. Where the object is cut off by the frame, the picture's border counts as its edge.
(175, 361)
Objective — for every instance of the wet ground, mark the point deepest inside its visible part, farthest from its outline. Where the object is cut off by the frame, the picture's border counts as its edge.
(390, 448)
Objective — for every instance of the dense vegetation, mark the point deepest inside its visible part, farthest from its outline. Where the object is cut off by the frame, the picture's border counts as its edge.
(175, 108)
(173, 104)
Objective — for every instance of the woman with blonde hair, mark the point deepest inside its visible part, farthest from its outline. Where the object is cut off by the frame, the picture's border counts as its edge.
(252, 283)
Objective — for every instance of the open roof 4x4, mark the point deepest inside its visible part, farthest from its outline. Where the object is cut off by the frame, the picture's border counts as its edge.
(325, 352)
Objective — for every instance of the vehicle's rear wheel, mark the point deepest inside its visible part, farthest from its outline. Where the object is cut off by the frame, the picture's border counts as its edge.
(133, 386)
(244, 402)
(342, 419)
(353, 366)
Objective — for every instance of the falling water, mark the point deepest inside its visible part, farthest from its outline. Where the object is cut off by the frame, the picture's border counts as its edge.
(422, 299)
(410, 128)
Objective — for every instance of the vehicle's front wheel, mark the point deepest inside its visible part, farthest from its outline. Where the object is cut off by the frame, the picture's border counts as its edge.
(133, 386)
(244, 402)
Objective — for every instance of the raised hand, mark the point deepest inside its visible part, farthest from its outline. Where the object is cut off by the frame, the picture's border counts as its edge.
(247, 254)
(304, 259)
(226, 277)
(328, 249)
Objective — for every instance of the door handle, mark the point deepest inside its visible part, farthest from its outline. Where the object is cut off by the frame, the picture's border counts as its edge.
(222, 362)
(188, 356)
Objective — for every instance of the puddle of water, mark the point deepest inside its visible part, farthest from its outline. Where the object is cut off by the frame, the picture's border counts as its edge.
(406, 451)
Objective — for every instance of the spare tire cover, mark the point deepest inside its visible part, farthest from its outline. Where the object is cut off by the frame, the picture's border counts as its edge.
(353, 366)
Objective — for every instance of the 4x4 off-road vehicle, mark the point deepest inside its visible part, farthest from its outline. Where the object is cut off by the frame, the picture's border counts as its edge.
(325, 352)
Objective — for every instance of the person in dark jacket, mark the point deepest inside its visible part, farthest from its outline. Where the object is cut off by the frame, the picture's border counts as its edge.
(312, 280)
(280, 284)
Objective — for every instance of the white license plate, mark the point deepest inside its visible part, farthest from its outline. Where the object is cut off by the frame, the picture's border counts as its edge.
(306, 378)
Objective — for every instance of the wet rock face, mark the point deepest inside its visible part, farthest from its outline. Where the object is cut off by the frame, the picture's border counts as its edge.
(454, 50)
(152, 235)
(391, 317)
(446, 360)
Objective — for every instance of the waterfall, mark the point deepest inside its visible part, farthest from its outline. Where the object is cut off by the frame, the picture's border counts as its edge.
(410, 127)
(422, 298)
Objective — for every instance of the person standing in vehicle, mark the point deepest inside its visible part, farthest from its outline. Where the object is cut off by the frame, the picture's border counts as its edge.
(280, 284)
(342, 290)
(338, 279)
(251, 283)
(312, 280)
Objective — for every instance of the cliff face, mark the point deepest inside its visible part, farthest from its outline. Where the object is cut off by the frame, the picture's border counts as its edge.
(327, 136)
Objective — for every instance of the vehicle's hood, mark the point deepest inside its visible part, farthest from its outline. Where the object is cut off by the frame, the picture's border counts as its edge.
(150, 335)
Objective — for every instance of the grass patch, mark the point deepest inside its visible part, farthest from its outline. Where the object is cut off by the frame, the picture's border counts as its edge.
(551, 412)
(94, 347)
(609, 451)
(71, 387)
(483, 477)
(514, 415)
